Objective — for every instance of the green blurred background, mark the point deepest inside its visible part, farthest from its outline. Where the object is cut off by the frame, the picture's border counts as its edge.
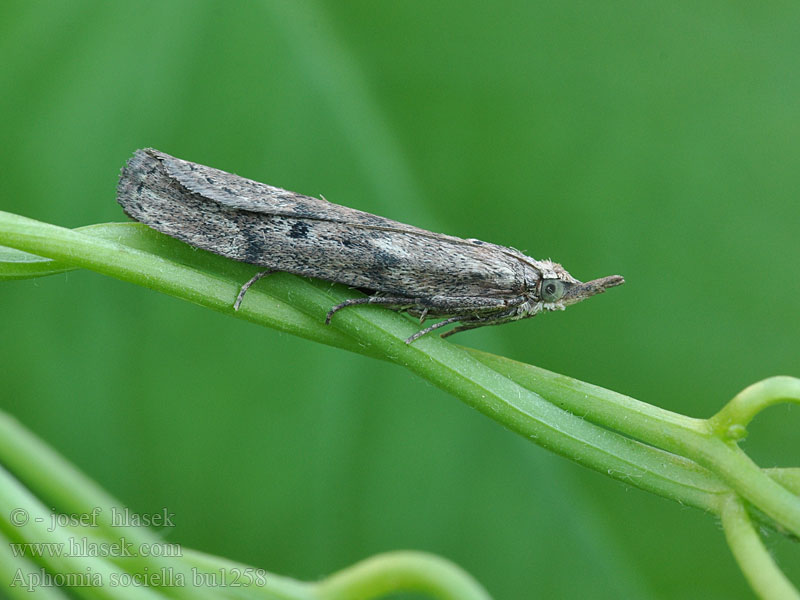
(655, 140)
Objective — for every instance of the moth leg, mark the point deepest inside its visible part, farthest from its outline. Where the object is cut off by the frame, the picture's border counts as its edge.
(468, 321)
(247, 285)
(393, 302)
(480, 322)
(430, 328)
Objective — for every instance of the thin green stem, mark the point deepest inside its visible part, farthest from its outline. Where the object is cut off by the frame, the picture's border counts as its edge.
(764, 576)
(374, 577)
(419, 572)
(731, 422)
(254, 583)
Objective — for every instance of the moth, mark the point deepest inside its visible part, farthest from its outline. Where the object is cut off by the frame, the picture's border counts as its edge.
(405, 268)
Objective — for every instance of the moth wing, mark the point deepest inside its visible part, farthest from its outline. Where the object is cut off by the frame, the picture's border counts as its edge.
(234, 191)
(239, 193)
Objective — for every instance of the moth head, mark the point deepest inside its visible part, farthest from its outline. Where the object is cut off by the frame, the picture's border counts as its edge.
(558, 289)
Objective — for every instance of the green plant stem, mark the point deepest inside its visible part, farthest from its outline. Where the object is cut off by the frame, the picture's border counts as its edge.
(738, 413)
(754, 559)
(787, 477)
(691, 438)
(420, 572)
(112, 250)
(53, 479)
(372, 331)
(374, 577)
(20, 569)
(14, 497)
(274, 587)
(494, 391)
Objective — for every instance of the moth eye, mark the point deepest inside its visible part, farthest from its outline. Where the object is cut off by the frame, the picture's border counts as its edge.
(552, 290)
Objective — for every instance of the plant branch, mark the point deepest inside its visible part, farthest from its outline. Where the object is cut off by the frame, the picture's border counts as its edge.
(135, 253)
(764, 576)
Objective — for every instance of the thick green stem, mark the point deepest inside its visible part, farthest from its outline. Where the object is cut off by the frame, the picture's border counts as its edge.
(190, 274)
(200, 277)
